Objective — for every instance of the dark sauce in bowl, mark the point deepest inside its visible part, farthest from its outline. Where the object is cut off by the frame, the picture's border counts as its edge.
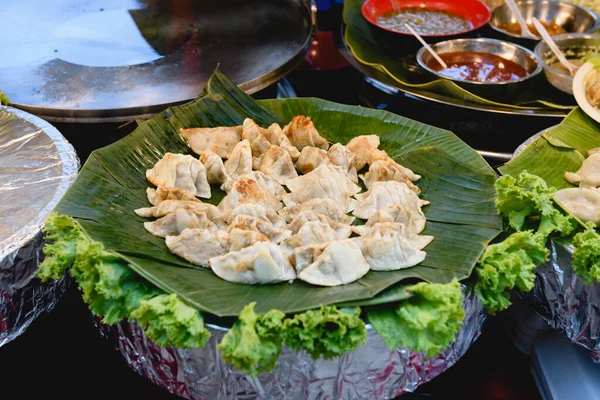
(478, 67)
(424, 21)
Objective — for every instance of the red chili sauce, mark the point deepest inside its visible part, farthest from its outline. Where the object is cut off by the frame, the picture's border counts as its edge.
(478, 67)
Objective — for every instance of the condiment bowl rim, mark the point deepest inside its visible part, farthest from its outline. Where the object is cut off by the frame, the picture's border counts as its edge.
(538, 49)
(537, 70)
(432, 35)
(590, 12)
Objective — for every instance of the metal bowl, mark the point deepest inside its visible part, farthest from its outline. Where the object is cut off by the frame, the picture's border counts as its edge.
(572, 18)
(574, 46)
(518, 54)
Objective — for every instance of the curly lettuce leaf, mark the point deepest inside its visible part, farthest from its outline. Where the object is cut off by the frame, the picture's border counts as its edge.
(428, 321)
(253, 344)
(60, 250)
(169, 321)
(586, 257)
(507, 264)
(326, 332)
(3, 98)
(115, 292)
(528, 201)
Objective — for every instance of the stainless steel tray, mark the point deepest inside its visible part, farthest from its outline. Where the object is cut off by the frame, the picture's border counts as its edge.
(114, 60)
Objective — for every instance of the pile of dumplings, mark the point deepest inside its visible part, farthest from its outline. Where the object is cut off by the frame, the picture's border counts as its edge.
(584, 201)
(286, 211)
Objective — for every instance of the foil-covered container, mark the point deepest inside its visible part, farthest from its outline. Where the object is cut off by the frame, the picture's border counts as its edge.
(565, 302)
(373, 371)
(37, 165)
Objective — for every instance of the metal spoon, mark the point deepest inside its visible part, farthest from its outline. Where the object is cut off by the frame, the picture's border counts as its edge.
(424, 43)
(517, 13)
(552, 44)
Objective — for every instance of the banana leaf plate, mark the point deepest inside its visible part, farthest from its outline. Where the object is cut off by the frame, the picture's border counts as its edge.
(455, 179)
(560, 296)
(356, 42)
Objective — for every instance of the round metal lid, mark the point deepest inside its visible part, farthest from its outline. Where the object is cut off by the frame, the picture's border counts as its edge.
(113, 60)
(37, 166)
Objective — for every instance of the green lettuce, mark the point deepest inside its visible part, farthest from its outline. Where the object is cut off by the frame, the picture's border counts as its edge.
(326, 332)
(586, 257)
(507, 264)
(115, 292)
(527, 203)
(253, 343)
(167, 320)
(3, 98)
(428, 321)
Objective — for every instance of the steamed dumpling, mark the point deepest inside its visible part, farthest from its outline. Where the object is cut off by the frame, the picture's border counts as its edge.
(277, 163)
(255, 210)
(387, 170)
(160, 194)
(276, 137)
(321, 206)
(259, 146)
(169, 206)
(589, 173)
(240, 160)
(302, 132)
(341, 156)
(239, 239)
(251, 130)
(260, 263)
(199, 245)
(386, 194)
(413, 219)
(418, 241)
(311, 158)
(215, 170)
(250, 223)
(174, 223)
(376, 155)
(360, 145)
(583, 203)
(247, 190)
(387, 249)
(220, 140)
(326, 181)
(343, 230)
(263, 180)
(330, 264)
(312, 232)
(182, 172)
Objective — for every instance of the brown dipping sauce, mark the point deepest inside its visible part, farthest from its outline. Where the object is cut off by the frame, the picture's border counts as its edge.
(553, 28)
(478, 67)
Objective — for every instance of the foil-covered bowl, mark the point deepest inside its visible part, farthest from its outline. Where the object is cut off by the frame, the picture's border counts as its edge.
(373, 371)
(37, 165)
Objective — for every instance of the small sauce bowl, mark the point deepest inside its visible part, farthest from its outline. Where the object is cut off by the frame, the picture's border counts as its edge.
(401, 43)
(508, 51)
(575, 46)
(572, 18)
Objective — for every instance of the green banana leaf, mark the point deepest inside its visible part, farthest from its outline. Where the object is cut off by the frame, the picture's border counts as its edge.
(560, 149)
(536, 93)
(456, 180)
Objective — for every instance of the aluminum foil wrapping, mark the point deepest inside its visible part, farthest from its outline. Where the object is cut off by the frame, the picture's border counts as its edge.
(373, 371)
(565, 302)
(37, 165)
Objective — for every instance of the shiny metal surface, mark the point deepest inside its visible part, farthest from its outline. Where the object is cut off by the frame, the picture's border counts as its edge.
(372, 372)
(571, 17)
(574, 46)
(509, 51)
(393, 86)
(37, 166)
(113, 60)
